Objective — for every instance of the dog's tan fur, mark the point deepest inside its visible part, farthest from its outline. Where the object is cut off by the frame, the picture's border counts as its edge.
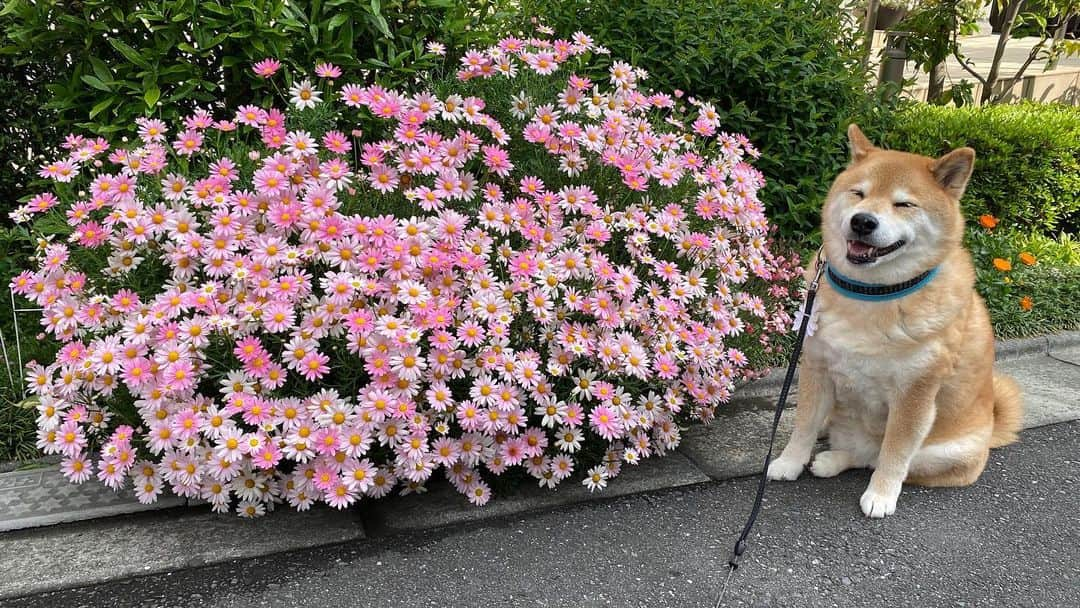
(907, 386)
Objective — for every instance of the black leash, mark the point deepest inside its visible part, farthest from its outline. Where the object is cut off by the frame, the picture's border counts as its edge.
(740, 545)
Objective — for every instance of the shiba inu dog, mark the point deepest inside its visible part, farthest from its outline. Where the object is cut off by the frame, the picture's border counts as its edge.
(899, 369)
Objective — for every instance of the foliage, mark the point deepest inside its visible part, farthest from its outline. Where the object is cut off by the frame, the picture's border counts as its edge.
(18, 431)
(274, 306)
(27, 130)
(100, 64)
(1031, 283)
(1023, 14)
(933, 26)
(1027, 168)
(124, 59)
(788, 72)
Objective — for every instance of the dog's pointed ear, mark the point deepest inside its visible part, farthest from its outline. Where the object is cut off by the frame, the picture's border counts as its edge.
(953, 170)
(857, 142)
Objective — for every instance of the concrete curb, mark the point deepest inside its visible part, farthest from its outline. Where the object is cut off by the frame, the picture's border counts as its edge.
(444, 506)
(104, 550)
(42, 496)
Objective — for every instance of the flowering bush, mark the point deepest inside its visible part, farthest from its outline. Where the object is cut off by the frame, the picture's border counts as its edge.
(532, 270)
(1029, 281)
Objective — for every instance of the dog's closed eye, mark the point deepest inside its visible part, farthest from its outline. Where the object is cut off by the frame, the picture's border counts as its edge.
(904, 204)
(859, 193)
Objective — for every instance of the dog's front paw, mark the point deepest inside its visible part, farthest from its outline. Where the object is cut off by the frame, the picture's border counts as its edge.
(785, 469)
(877, 504)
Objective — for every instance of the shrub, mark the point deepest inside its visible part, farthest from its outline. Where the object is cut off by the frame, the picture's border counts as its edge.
(119, 60)
(788, 72)
(17, 433)
(276, 307)
(1027, 169)
(1030, 282)
(1054, 292)
(27, 130)
(100, 64)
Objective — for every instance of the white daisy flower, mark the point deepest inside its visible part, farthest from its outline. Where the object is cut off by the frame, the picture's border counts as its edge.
(303, 95)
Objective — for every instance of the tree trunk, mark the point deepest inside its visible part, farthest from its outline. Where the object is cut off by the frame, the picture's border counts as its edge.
(937, 83)
(1059, 35)
(868, 29)
(1009, 20)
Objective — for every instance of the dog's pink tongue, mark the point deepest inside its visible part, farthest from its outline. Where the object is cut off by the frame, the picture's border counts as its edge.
(859, 248)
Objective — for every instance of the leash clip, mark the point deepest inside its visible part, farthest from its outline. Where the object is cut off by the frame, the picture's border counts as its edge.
(819, 269)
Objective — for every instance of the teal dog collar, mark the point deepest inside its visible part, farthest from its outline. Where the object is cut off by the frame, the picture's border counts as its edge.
(870, 292)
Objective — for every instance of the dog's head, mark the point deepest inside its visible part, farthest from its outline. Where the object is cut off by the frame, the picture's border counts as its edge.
(892, 215)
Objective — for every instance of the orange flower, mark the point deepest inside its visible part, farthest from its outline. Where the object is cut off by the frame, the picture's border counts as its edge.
(1002, 265)
(988, 221)
(1027, 258)
(1026, 303)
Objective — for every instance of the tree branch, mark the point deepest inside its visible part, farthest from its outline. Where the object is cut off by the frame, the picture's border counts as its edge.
(1010, 83)
(964, 61)
(1011, 12)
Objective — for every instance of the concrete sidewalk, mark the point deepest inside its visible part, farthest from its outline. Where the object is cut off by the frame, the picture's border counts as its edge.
(170, 544)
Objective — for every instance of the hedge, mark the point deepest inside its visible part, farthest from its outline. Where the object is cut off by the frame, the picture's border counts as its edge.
(1027, 168)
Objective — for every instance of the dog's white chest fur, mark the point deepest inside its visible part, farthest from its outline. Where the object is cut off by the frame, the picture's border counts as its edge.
(870, 370)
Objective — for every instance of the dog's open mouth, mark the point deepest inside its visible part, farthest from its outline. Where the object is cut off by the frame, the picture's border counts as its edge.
(859, 252)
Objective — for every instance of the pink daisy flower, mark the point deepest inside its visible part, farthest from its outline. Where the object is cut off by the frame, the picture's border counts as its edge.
(77, 469)
(327, 70)
(336, 142)
(266, 68)
(188, 143)
(314, 366)
(383, 178)
(340, 495)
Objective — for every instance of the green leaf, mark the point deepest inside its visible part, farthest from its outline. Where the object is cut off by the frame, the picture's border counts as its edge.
(216, 40)
(336, 21)
(101, 106)
(29, 403)
(151, 97)
(182, 93)
(380, 21)
(129, 53)
(216, 8)
(100, 69)
(96, 82)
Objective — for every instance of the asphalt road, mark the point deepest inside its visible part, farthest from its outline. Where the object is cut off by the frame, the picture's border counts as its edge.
(1012, 539)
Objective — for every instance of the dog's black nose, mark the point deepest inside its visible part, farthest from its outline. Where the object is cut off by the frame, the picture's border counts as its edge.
(863, 223)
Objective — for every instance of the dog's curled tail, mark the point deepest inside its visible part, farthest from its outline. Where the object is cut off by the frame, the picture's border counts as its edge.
(1008, 411)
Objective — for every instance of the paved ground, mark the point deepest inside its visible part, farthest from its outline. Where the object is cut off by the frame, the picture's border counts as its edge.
(1012, 539)
(980, 50)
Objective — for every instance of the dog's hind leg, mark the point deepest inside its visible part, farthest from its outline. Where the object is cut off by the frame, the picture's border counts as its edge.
(956, 462)
(850, 447)
(816, 397)
(831, 463)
